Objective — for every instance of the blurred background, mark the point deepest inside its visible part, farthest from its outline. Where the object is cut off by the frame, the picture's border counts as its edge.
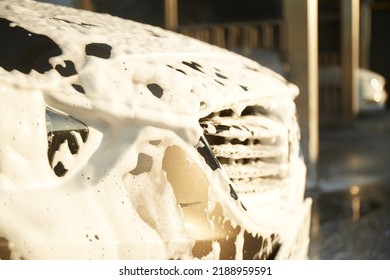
(337, 52)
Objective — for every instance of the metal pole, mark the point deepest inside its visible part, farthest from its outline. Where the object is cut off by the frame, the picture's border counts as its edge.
(301, 47)
(171, 14)
(349, 59)
(87, 5)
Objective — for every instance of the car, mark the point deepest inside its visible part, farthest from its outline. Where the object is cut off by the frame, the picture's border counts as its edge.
(371, 90)
(121, 140)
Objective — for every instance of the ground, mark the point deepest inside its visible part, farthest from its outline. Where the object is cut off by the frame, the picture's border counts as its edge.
(352, 200)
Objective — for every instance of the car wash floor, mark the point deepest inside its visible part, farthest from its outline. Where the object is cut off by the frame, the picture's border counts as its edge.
(351, 205)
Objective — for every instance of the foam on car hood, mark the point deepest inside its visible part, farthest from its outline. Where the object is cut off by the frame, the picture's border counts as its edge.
(133, 68)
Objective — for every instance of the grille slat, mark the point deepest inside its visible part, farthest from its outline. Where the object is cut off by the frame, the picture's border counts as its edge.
(247, 151)
(255, 170)
(259, 184)
(246, 127)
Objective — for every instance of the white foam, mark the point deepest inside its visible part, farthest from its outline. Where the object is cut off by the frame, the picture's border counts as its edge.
(99, 210)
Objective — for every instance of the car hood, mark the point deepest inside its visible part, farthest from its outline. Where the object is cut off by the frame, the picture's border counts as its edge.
(135, 70)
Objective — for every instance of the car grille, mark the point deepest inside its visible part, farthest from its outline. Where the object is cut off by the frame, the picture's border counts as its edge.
(252, 145)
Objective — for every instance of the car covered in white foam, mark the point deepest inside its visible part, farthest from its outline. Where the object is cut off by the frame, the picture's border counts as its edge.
(121, 140)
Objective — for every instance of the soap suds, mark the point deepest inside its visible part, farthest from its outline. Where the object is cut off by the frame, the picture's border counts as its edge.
(132, 175)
